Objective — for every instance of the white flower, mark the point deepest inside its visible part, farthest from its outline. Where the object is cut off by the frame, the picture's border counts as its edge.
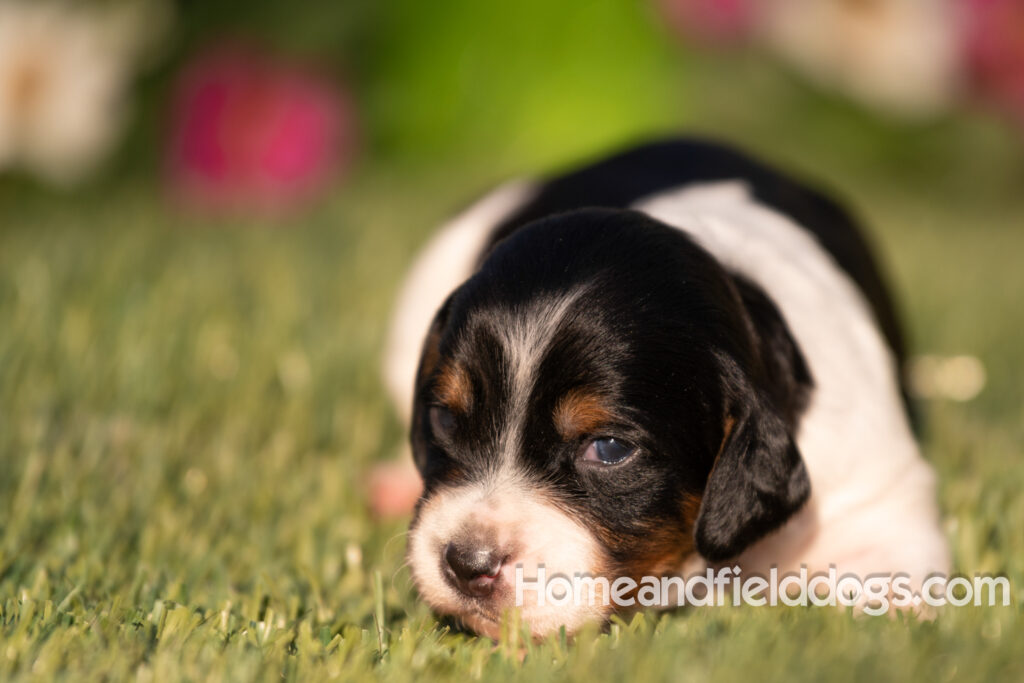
(63, 74)
(898, 55)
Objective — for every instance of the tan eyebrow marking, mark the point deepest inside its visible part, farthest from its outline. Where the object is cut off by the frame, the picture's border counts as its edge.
(579, 412)
(454, 388)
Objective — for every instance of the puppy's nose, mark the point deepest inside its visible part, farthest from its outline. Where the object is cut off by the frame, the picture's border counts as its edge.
(474, 568)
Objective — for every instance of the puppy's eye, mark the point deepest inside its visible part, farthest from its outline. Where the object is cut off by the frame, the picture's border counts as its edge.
(442, 422)
(608, 451)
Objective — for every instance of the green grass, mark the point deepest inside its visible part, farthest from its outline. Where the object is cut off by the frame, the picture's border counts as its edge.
(187, 414)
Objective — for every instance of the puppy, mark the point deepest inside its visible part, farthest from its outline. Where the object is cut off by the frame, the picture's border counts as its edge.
(673, 358)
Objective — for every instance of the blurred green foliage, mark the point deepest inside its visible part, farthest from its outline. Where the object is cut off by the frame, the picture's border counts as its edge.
(529, 81)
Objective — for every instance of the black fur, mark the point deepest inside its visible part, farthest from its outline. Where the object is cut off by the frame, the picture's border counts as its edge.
(680, 350)
(621, 179)
(695, 364)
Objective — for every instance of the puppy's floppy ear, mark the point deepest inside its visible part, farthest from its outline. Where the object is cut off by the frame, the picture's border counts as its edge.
(758, 482)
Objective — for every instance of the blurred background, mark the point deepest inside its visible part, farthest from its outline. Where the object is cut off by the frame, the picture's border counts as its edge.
(206, 207)
(255, 107)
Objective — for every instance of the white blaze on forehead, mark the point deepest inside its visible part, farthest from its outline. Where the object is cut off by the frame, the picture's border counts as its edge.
(446, 261)
(525, 336)
(522, 522)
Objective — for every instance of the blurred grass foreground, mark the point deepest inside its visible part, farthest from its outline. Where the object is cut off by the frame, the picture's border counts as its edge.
(201, 230)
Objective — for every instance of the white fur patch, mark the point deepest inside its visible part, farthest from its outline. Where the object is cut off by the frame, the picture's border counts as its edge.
(524, 341)
(872, 506)
(517, 517)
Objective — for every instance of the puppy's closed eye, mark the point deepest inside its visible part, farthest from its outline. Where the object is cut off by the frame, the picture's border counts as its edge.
(442, 422)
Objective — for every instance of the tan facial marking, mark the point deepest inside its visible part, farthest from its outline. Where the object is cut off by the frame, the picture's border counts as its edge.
(454, 388)
(580, 412)
(431, 354)
(691, 508)
(662, 549)
(659, 550)
(727, 426)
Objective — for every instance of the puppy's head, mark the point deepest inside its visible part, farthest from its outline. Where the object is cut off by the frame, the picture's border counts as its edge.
(594, 401)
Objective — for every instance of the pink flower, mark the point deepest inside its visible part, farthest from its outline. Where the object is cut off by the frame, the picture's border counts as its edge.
(254, 134)
(994, 50)
(711, 21)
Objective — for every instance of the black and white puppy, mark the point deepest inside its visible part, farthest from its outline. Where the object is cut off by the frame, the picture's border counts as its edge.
(675, 356)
